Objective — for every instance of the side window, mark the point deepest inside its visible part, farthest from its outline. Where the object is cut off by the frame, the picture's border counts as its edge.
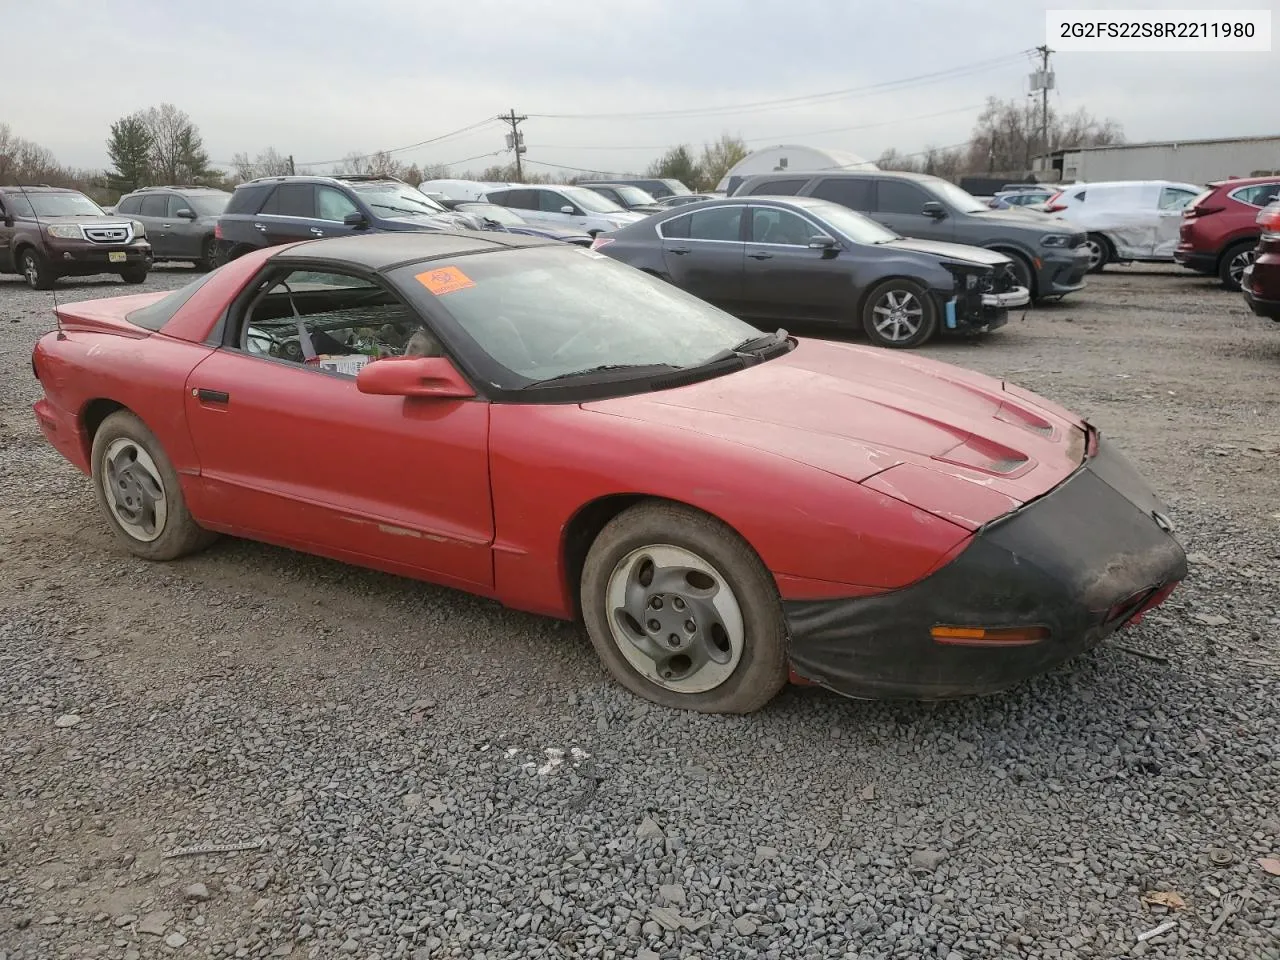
(898, 196)
(522, 199)
(718, 223)
(1081, 195)
(333, 204)
(129, 205)
(291, 200)
(332, 322)
(177, 203)
(1174, 198)
(851, 192)
(782, 187)
(550, 202)
(248, 199)
(154, 205)
(770, 225)
(676, 228)
(1259, 195)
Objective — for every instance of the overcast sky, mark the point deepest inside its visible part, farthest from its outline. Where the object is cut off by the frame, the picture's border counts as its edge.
(327, 77)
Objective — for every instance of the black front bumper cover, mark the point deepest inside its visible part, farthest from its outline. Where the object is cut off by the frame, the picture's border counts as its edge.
(1080, 560)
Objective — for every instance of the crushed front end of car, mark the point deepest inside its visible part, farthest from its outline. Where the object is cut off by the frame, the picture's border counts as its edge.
(982, 297)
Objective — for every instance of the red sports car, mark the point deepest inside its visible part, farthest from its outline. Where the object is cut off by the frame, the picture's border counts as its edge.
(725, 509)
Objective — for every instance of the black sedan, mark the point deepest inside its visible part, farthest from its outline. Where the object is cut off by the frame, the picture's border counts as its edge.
(799, 258)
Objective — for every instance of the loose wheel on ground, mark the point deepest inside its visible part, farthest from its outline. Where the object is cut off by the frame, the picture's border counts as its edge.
(138, 491)
(899, 313)
(35, 269)
(1233, 262)
(682, 611)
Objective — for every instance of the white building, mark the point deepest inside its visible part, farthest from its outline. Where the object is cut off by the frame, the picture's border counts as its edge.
(1195, 161)
(790, 158)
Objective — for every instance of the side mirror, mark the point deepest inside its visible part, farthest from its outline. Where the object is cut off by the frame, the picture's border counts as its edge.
(568, 210)
(934, 209)
(186, 213)
(413, 377)
(357, 220)
(822, 243)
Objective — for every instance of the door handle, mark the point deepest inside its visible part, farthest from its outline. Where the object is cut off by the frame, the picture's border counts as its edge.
(760, 256)
(166, 225)
(211, 396)
(258, 226)
(679, 251)
(317, 231)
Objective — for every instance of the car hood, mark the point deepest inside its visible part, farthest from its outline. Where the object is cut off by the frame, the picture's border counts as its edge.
(960, 445)
(110, 220)
(437, 221)
(1018, 217)
(548, 231)
(621, 216)
(950, 251)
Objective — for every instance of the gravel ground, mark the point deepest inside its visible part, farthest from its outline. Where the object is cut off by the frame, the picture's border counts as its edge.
(422, 774)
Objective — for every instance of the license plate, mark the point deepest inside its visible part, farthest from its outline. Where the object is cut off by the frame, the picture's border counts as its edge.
(117, 256)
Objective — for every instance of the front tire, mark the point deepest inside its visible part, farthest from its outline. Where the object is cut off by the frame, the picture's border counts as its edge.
(1233, 262)
(134, 274)
(35, 270)
(139, 493)
(208, 255)
(1099, 252)
(682, 612)
(900, 314)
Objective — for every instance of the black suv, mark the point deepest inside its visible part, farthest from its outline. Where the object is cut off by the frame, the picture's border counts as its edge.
(180, 220)
(1049, 255)
(51, 232)
(274, 210)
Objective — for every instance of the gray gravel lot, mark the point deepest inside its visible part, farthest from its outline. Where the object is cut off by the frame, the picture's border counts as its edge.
(430, 775)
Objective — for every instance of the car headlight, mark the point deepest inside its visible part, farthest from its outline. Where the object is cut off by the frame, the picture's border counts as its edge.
(1055, 240)
(67, 231)
(139, 228)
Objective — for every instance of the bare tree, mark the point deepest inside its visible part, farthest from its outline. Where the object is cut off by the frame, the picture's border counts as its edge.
(177, 151)
(268, 163)
(380, 164)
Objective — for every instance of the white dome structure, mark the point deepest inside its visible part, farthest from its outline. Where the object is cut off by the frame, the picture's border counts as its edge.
(790, 158)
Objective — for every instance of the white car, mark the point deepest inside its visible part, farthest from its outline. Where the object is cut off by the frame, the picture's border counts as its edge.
(564, 206)
(1126, 220)
(472, 191)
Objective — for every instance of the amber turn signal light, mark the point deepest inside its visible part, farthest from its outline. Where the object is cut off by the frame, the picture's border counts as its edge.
(989, 636)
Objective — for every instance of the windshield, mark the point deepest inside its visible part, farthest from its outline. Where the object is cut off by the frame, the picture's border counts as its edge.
(53, 205)
(207, 204)
(590, 200)
(544, 312)
(398, 199)
(852, 225)
(635, 196)
(962, 201)
(491, 211)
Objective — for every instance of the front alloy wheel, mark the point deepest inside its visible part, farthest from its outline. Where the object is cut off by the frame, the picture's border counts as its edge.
(899, 313)
(34, 271)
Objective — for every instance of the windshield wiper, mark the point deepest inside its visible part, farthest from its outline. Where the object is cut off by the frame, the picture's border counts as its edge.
(604, 368)
(751, 348)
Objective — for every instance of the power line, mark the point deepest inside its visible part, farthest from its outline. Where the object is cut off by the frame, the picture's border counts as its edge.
(412, 146)
(763, 105)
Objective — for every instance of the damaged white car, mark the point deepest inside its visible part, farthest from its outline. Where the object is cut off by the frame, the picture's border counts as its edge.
(1127, 220)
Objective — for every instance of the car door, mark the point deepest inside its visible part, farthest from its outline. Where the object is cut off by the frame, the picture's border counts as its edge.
(784, 278)
(294, 454)
(552, 205)
(704, 253)
(856, 193)
(1172, 201)
(332, 208)
(289, 214)
(153, 215)
(900, 207)
(7, 230)
(185, 236)
(525, 201)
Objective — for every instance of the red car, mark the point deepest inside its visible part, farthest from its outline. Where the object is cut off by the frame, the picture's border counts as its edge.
(1219, 228)
(536, 423)
(1261, 279)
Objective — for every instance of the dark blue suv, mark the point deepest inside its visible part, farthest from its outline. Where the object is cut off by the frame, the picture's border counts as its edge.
(273, 210)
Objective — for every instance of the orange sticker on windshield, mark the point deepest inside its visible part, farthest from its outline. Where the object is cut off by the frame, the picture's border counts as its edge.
(445, 280)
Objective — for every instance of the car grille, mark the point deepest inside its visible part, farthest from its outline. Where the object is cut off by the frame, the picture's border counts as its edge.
(115, 233)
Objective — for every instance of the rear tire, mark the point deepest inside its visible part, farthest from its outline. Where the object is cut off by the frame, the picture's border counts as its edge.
(135, 274)
(717, 594)
(1100, 252)
(35, 269)
(899, 314)
(208, 255)
(1234, 259)
(139, 493)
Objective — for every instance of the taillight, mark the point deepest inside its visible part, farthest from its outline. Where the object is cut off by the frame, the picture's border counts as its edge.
(1052, 204)
(1269, 219)
(600, 241)
(217, 231)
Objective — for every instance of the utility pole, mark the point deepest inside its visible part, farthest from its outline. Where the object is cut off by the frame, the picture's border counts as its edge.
(291, 170)
(515, 140)
(1043, 81)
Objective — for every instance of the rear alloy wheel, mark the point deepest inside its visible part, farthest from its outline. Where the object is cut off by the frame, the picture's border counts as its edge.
(1099, 252)
(899, 313)
(1231, 269)
(35, 270)
(682, 611)
(208, 255)
(139, 493)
